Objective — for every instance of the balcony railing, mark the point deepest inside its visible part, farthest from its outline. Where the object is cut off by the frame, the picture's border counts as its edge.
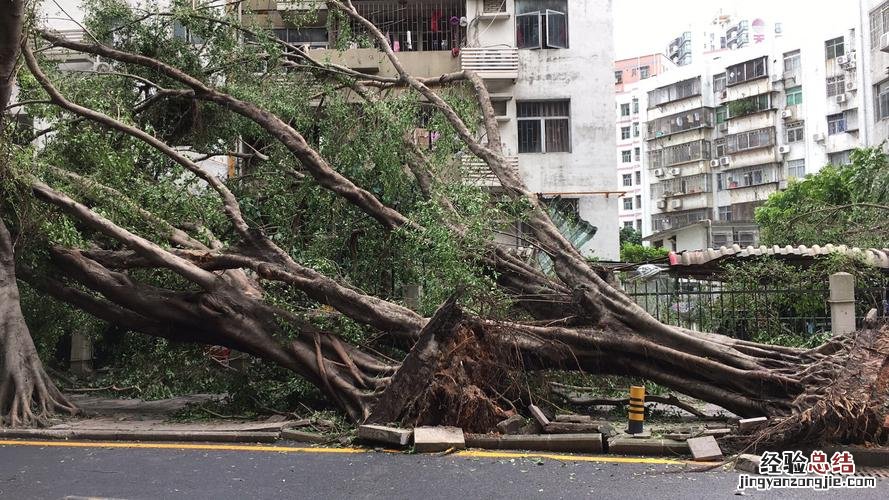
(72, 35)
(681, 153)
(491, 62)
(674, 92)
(680, 122)
(475, 172)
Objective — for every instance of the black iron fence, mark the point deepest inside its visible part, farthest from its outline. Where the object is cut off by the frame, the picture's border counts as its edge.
(743, 311)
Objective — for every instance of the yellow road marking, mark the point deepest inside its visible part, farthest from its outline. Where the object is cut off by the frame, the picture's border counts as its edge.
(291, 449)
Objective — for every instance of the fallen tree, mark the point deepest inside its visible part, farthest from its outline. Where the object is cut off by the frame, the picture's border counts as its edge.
(237, 285)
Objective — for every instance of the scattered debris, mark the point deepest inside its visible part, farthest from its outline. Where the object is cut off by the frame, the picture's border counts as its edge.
(382, 434)
(749, 424)
(570, 427)
(628, 445)
(435, 439)
(512, 425)
(747, 463)
(579, 443)
(538, 415)
(304, 437)
(704, 449)
(641, 435)
(573, 418)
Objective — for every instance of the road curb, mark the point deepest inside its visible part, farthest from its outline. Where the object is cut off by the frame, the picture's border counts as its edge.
(160, 435)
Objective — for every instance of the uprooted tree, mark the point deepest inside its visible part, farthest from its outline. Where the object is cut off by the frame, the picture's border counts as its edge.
(332, 202)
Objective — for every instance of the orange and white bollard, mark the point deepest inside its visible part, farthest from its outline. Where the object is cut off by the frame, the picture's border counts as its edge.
(636, 409)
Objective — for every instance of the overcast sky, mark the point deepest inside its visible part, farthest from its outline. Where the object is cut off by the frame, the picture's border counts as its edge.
(647, 26)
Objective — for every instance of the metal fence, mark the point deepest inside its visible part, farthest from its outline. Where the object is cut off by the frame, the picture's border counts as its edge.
(745, 312)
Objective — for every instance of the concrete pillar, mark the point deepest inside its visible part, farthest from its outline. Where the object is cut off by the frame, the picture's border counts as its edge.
(842, 303)
(81, 354)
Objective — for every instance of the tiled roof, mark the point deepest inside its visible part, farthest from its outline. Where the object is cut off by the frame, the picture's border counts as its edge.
(876, 257)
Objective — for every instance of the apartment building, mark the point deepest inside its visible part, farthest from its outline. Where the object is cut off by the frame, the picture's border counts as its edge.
(725, 133)
(547, 64)
(724, 32)
(631, 111)
(875, 67)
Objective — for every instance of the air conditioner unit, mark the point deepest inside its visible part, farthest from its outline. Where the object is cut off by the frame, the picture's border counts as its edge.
(783, 149)
(723, 127)
(884, 42)
(674, 204)
(851, 86)
(842, 60)
(662, 204)
(840, 98)
(658, 172)
(787, 114)
(675, 171)
(818, 137)
(725, 161)
(102, 67)
(714, 163)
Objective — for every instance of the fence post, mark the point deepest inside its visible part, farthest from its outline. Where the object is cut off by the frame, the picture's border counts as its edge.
(81, 354)
(842, 303)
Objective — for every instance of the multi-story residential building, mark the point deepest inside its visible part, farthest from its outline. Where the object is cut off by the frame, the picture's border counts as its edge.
(724, 32)
(725, 133)
(547, 64)
(631, 107)
(875, 67)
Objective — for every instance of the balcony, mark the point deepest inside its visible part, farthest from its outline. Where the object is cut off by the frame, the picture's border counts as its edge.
(475, 172)
(680, 122)
(674, 92)
(491, 63)
(681, 153)
(374, 62)
(63, 54)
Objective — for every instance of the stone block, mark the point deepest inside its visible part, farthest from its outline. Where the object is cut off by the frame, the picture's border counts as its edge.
(538, 415)
(749, 424)
(385, 435)
(631, 446)
(576, 419)
(434, 439)
(704, 449)
(716, 432)
(512, 425)
(748, 463)
(578, 443)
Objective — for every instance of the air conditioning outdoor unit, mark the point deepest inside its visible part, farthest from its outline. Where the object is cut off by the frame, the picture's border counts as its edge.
(662, 204)
(675, 171)
(884, 42)
(659, 172)
(714, 163)
(787, 114)
(818, 137)
(842, 60)
(723, 127)
(674, 204)
(725, 161)
(851, 86)
(841, 98)
(783, 149)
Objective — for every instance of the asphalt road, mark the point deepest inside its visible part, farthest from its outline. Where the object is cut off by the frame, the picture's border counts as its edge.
(36, 472)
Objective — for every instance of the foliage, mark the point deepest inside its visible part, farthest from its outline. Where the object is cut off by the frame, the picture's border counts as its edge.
(632, 252)
(841, 204)
(629, 235)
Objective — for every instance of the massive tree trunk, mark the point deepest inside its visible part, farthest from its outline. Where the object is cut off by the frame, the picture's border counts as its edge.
(23, 381)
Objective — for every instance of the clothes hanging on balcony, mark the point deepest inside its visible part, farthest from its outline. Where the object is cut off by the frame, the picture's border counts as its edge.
(435, 19)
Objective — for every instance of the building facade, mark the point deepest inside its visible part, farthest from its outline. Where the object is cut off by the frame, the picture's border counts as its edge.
(725, 133)
(631, 111)
(875, 67)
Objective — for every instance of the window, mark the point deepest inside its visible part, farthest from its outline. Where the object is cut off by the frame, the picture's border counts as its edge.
(725, 213)
(626, 156)
(836, 85)
(680, 153)
(745, 177)
(638, 176)
(751, 139)
(618, 77)
(638, 201)
(721, 114)
(841, 158)
(644, 72)
(879, 24)
(625, 109)
(628, 223)
(719, 83)
(679, 90)
(836, 124)
(796, 169)
(795, 132)
(746, 71)
(542, 24)
(635, 106)
(637, 155)
(794, 95)
(543, 126)
(639, 225)
(635, 129)
(624, 133)
(627, 180)
(720, 147)
(792, 62)
(881, 93)
(834, 48)
(628, 204)
(749, 105)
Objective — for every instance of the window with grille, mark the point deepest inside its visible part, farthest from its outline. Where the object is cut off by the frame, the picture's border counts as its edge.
(745, 177)
(881, 98)
(879, 24)
(721, 114)
(836, 85)
(749, 105)
(794, 95)
(674, 92)
(625, 133)
(494, 6)
(625, 109)
(746, 71)
(840, 158)
(618, 77)
(836, 124)
(637, 155)
(635, 106)
(834, 48)
(792, 62)
(628, 203)
(544, 126)
(725, 213)
(542, 24)
(751, 139)
(796, 169)
(635, 129)
(627, 180)
(414, 26)
(719, 83)
(628, 223)
(644, 72)
(625, 156)
(638, 176)
(795, 132)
